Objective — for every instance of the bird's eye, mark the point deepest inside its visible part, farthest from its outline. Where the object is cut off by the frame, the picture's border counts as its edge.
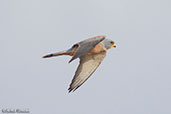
(112, 43)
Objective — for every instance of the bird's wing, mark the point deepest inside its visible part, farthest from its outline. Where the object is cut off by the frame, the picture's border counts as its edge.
(88, 64)
(85, 46)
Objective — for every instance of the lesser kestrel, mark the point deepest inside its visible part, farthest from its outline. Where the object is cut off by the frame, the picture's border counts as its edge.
(91, 52)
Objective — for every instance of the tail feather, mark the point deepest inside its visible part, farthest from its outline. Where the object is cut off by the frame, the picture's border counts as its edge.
(57, 54)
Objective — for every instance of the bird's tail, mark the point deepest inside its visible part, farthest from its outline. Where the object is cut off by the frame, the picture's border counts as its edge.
(57, 54)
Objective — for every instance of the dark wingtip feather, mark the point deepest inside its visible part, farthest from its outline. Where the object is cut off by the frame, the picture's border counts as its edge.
(72, 89)
(71, 59)
(69, 89)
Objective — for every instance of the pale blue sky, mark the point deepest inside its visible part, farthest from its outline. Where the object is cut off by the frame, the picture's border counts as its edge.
(134, 78)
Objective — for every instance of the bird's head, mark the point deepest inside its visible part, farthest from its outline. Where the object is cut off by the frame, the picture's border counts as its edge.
(109, 44)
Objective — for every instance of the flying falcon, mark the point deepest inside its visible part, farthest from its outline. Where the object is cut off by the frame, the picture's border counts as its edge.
(91, 52)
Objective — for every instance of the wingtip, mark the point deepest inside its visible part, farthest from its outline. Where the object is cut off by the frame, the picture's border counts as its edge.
(72, 89)
(69, 90)
(71, 60)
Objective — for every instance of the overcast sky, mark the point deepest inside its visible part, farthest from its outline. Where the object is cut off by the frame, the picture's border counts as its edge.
(134, 78)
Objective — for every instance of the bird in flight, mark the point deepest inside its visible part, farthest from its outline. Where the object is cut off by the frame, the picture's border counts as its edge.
(91, 52)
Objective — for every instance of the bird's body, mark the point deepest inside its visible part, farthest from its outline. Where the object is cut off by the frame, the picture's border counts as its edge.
(91, 52)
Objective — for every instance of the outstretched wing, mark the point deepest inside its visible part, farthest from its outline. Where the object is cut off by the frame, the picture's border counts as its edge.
(88, 64)
(86, 45)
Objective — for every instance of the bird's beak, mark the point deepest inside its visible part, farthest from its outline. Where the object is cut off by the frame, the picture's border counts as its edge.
(114, 45)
